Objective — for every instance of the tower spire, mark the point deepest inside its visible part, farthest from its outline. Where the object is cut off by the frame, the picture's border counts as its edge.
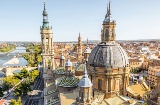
(44, 5)
(79, 34)
(108, 31)
(45, 17)
(85, 71)
(109, 13)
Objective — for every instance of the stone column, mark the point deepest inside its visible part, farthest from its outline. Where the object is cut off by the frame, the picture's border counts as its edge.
(106, 84)
(44, 65)
(89, 94)
(124, 85)
(44, 43)
(109, 84)
(49, 45)
(52, 63)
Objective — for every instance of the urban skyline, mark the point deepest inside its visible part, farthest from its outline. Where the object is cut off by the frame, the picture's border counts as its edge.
(64, 69)
(20, 20)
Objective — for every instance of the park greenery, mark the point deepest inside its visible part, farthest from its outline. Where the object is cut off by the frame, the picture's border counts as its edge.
(34, 57)
(24, 87)
(135, 70)
(7, 48)
(14, 102)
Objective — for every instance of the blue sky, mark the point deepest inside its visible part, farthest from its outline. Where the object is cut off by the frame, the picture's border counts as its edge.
(136, 19)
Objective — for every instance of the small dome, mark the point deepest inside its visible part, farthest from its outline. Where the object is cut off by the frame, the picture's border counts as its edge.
(62, 57)
(140, 79)
(109, 19)
(87, 50)
(68, 63)
(108, 55)
(85, 81)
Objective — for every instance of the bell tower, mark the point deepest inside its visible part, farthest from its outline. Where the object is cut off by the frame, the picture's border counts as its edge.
(108, 31)
(79, 50)
(87, 52)
(85, 84)
(47, 47)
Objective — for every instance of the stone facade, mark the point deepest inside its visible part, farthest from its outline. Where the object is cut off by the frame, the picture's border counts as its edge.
(108, 62)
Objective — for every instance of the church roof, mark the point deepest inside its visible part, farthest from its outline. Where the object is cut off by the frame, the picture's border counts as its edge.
(85, 81)
(108, 55)
(87, 50)
(68, 63)
(60, 70)
(66, 81)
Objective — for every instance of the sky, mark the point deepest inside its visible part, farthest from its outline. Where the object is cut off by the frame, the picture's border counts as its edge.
(20, 20)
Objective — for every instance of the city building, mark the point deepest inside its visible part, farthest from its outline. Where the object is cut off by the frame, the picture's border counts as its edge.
(152, 75)
(104, 79)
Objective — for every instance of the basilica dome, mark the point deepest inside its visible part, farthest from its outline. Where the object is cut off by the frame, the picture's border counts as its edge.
(108, 55)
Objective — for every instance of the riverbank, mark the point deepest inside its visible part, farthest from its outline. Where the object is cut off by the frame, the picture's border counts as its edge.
(7, 49)
(9, 58)
(12, 61)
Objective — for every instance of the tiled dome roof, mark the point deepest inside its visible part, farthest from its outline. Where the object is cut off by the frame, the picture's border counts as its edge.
(111, 54)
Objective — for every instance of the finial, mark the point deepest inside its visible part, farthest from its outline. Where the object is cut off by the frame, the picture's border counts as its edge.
(109, 13)
(85, 70)
(44, 5)
(107, 8)
(79, 34)
(87, 41)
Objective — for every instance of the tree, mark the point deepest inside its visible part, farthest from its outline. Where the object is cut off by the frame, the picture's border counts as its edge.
(23, 88)
(14, 102)
(19, 101)
(9, 82)
(39, 58)
(24, 73)
(1, 92)
(34, 74)
(34, 57)
(5, 86)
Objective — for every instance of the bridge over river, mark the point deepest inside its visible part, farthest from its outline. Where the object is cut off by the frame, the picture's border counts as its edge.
(13, 60)
(14, 69)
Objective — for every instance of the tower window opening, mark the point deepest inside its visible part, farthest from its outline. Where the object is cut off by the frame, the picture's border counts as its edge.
(100, 84)
(82, 96)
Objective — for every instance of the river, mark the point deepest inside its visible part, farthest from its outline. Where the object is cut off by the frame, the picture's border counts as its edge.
(9, 59)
